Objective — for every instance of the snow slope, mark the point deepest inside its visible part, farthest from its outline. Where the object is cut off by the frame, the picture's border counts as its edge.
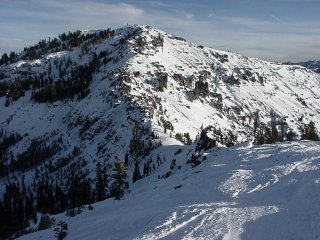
(240, 89)
(163, 86)
(242, 192)
(245, 86)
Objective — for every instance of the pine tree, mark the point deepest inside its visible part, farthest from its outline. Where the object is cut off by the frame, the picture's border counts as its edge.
(7, 102)
(29, 209)
(100, 183)
(291, 135)
(274, 133)
(256, 122)
(159, 162)
(120, 183)
(310, 132)
(126, 159)
(136, 173)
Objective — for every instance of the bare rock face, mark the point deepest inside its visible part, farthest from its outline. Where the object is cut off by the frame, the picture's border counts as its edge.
(207, 139)
(201, 89)
(162, 82)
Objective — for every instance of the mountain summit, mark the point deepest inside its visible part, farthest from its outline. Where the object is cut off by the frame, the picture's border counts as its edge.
(109, 103)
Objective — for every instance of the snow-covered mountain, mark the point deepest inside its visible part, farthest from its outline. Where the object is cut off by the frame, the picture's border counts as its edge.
(312, 65)
(100, 96)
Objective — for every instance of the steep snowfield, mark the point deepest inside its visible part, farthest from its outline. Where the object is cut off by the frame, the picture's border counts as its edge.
(243, 192)
(125, 92)
(238, 89)
(246, 86)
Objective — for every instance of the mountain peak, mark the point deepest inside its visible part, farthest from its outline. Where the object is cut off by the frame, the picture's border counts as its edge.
(81, 103)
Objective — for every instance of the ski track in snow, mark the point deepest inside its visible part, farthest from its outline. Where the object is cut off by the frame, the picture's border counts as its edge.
(208, 222)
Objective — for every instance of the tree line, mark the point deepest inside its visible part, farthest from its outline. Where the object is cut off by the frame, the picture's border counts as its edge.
(21, 203)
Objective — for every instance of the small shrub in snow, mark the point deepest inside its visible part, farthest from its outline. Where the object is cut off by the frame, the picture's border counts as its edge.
(61, 230)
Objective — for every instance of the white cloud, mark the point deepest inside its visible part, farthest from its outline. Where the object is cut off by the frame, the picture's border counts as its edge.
(211, 14)
(277, 19)
(269, 38)
(243, 21)
(158, 4)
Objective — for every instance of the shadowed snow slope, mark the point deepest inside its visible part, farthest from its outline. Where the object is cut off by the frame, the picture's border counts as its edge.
(243, 192)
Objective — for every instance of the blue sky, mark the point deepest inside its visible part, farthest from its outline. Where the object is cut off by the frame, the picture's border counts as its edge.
(276, 30)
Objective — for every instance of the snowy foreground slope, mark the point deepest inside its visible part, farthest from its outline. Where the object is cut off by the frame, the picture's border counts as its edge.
(242, 192)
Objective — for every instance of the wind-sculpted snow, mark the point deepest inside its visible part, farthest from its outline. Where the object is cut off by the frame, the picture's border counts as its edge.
(243, 192)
